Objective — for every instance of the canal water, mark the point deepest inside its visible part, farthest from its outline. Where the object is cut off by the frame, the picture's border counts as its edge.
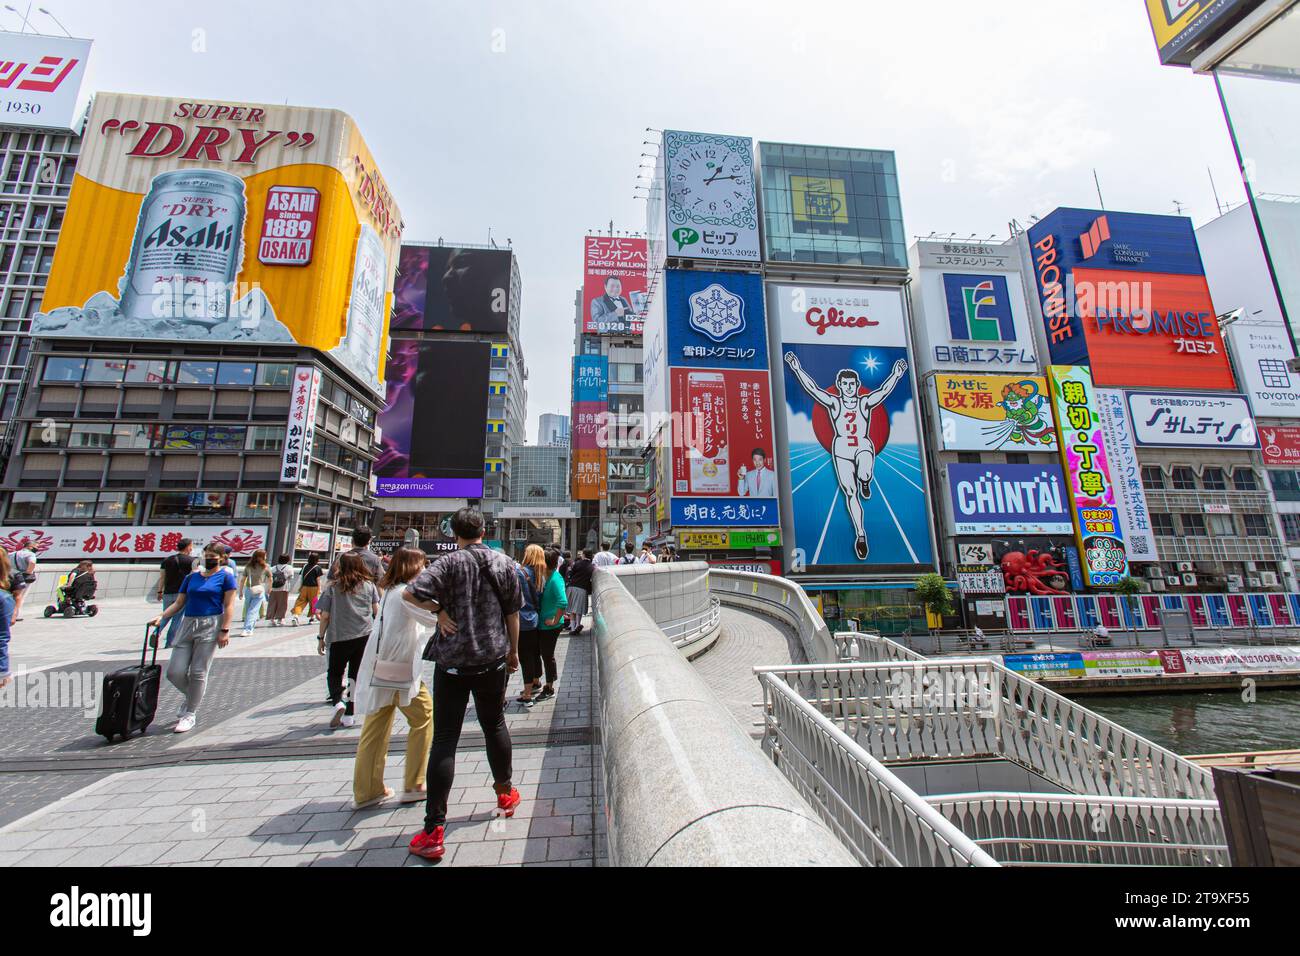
(1214, 722)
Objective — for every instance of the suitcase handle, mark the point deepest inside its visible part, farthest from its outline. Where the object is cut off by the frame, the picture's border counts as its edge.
(144, 651)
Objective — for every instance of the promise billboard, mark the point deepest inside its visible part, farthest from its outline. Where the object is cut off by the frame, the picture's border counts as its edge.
(226, 222)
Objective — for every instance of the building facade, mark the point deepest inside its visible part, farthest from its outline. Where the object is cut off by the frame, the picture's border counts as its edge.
(553, 429)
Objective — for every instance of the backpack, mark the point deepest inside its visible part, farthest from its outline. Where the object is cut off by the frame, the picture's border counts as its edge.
(528, 610)
(278, 578)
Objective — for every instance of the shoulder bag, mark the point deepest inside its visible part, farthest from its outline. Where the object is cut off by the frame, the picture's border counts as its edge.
(391, 675)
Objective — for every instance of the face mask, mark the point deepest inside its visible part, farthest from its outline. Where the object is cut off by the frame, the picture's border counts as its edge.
(210, 563)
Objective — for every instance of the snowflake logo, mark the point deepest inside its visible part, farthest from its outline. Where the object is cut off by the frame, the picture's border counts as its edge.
(717, 313)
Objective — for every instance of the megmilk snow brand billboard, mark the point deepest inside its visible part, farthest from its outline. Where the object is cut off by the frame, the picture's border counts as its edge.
(40, 79)
(1126, 295)
(854, 457)
(226, 222)
(453, 289)
(614, 281)
(710, 201)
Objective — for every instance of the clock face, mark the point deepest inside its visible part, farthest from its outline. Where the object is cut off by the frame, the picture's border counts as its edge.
(711, 181)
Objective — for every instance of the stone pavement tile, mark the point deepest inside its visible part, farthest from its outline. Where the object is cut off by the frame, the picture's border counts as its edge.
(10, 842)
(57, 839)
(329, 841)
(395, 856)
(571, 806)
(569, 848)
(297, 859)
(234, 848)
(328, 821)
(515, 852)
(346, 858)
(187, 851)
(48, 857)
(284, 844)
(550, 827)
(243, 861)
(140, 854)
(287, 823)
(478, 854)
(12, 857)
(381, 840)
(555, 790)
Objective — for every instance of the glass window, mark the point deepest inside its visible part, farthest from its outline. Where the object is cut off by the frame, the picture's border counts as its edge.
(1194, 526)
(255, 506)
(96, 435)
(1257, 526)
(193, 504)
(265, 438)
(1212, 479)
(1243, 479)
(104, 370)
(236, 373)
(47, 434)
(72, 504)
(1290, 525)
(134, 435)
(1222, 526)
(1162, 524)
(278, 375)
(1286, 484)
(197, 373)
(1153, 479)
(1017, 458)
(225, 437)
(969, 457)
(59, 369)
(148, 372)
(185, 436)
(27, 505)
(1184, 478)
(118, 506)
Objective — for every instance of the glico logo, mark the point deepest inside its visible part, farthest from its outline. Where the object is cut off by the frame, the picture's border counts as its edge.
(1052, 290)
(834, 318)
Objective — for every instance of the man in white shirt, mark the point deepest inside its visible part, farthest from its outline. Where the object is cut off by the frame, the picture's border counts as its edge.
(604, 557)
(759, 481)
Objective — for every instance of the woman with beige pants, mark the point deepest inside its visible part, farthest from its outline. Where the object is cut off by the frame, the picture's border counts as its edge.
(391, 679)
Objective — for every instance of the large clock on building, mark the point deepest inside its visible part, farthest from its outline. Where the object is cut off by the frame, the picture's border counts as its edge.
(712, 209)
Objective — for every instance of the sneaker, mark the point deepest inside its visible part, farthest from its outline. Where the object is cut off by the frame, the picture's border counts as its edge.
(183, 709)
(295, 620)
(428, 845)
(506, 802)
(339, 716)
(186, 724)
(348, 720)
(544, 695)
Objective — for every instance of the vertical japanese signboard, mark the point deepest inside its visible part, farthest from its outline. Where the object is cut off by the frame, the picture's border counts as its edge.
(590, 406)
(300, 431)
(1087, 470)
(1121, 455)
(614, 285)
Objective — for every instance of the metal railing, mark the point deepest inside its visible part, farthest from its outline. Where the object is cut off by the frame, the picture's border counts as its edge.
(779, 598)
(880, 819)
(1065, 830)
(691, 629)
(973, 708)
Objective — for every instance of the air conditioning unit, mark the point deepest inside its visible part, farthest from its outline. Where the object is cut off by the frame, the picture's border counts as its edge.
(1172, 580)
(1185, 566)
(1250, 565)
(1155, 571)
(1252, 583)
(1268, 579)
(1158, 585)
(1189, 580)
(1234, 580)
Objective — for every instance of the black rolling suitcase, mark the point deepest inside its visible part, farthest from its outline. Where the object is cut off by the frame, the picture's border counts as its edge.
(130, 696)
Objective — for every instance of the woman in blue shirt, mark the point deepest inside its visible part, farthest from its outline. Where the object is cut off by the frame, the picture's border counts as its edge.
(550, 619)
(207, 600)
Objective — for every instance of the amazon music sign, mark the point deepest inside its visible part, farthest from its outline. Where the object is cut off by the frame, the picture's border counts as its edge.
(1126, 295)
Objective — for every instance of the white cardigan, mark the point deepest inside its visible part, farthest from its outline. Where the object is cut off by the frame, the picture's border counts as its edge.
(402, 640)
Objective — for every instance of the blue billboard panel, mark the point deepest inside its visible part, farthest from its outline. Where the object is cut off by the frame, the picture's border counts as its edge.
(724, 512)
(1009, 499)
(715, 320)
(590, 379)
(979, 307)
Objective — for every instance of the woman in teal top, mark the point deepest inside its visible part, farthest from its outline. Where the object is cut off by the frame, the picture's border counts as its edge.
(550, 621)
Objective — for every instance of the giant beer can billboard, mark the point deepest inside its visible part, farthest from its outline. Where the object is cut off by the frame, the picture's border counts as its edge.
(226, 222)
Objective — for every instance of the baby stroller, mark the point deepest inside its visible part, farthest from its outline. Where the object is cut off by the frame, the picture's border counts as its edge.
(74, 598)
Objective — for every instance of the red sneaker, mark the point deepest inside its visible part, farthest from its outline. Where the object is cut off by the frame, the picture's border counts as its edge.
(428, 845)
(506, 802)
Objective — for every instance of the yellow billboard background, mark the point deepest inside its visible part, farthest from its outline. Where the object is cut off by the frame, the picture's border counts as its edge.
(311, 301)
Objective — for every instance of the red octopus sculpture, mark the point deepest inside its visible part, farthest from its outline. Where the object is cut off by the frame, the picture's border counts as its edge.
(1035, 572)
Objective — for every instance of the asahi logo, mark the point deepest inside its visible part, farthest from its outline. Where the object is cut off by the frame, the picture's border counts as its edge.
(169, 235)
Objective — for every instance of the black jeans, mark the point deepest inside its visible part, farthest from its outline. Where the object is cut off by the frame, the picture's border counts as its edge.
(451, 694)
(546, 641)
(344, 655)
(537, 654)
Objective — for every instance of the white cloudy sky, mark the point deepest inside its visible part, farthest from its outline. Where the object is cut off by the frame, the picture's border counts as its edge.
(527, 116)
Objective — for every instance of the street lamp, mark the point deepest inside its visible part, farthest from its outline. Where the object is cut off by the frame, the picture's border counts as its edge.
(55, 19)
(13, 9)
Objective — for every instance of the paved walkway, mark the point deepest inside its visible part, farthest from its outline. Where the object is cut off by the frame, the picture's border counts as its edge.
(748, 640)
(263, 780)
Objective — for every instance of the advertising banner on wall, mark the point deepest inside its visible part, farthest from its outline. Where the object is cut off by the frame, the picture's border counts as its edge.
(994, 412)
(1281, 445)
(1191, 420)
(1008, 499)
(723, 461)
(1182, 28)
(1113, 663)
(856, 471)
(452, 289)
(165, 227)
(613, 285)
(1126, 470)
(77, 543)
(710, 202)
(300, 429)
(1260, 354)
(1126, 295)
(714, 320)
(426, 452)
(40, 79)
(1046, 666)
(1228, 660)
(1087, 470)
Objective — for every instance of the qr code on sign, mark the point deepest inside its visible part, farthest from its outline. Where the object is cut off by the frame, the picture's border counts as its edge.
(1140, 544)
(682, 487)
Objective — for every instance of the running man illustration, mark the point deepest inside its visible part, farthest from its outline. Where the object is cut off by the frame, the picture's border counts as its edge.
(1024, 407)
(853, 452)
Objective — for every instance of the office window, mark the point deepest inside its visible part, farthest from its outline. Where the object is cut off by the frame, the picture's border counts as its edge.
(1163, 524)
(1017, 458)
(1184, 478)
(1222, 526)
(148, 372)
(188, 437)
(1243, 479)
(225, 438)
(1257, 526)
(1153, 479)
(277, 375)
(197, 504)
(118, 506)
(27, 505)
(969, 457)
(236, 373)
(265, 438)
(135, 435)
(59, 369)
(255, 506)
(1212, 479)
(96, 435)
(1290, 526)
(104, 370)
(1194, 526)
(47, 434)
(70, 505)
(1286, 483)
(197, 373)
